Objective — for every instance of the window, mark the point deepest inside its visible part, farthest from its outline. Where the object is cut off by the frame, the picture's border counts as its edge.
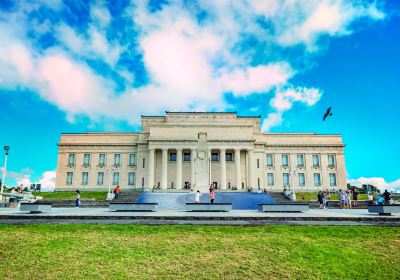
(317, 179)
(117, 160)
(86, 159)
(186, 156)
(270, 160)
(270, 179)
(315, 161)
(331, 161)
(229, 157)
(102, 159)
(132, 159)
(258, 163)
(85, 178)
(214, 157)
(144, 162)
(300, 160)
(302, 180)
(332, 179)
(286, 179)
(100, 178)
(285, 160)
(131, 178)
(172, 156)
(70, 177)
(71, 160)
(116, 178)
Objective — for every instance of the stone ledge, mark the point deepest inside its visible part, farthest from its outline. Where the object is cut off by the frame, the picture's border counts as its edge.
(284, 207)
(208, 207)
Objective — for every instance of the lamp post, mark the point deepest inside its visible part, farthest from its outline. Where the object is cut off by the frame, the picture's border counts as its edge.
(6, 149)
(292, 174)
(109, 194)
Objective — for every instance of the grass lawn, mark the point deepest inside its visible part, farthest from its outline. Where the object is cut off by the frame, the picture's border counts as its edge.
(198, 252)
(69, 195)
(313, 196)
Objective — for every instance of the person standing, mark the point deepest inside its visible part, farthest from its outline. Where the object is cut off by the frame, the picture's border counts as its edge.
(370, 199)
(117, 191)
(386, 196)
(78, 199)
(197, 197)
(356, 193)
(212, 196)
(348, 199)
(320, 200)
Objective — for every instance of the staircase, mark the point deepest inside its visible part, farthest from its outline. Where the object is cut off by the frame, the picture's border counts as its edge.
(279, 197)
(128, 196)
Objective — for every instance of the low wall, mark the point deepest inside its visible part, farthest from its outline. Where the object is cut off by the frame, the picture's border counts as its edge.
(85, 203)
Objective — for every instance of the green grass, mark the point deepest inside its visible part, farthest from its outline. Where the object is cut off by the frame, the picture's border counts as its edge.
(313, 196)
(198, 252)
(70, 195)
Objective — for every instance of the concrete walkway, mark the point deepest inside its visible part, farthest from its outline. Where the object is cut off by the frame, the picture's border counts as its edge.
(235, 217)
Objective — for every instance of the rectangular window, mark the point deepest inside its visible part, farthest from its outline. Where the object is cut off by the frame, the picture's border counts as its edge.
(131, 178)
(229, 157)
(285, 160)
(317, 179)
(331, 161)
(286, 179)
(315, 161)
(270, 179)
(172, 156)
(258, 163)
(270, 160)
(70, 176)
(86, 159)
(100, 178)
(332, 179)
(71, 160)
(186, 156)
(132, 159)
(85, 178)
(117, 160)
(116, 178)
(302, 179)
(144, 162)
(214, 157)
(300, 160)
(102, 159)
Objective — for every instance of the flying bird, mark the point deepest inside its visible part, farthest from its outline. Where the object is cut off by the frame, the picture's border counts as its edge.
(327, 114)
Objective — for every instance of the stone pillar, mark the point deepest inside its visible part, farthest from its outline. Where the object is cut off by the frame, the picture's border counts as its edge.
(192, 168)
(179, 168)
(223, 168)
(150, 180)
(209, 166)
(164, 171)
(250, 167)
(237, 169)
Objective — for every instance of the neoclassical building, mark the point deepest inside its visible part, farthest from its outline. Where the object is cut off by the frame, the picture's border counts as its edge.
(199, 148)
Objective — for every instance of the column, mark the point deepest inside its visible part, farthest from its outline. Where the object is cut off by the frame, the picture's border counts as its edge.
(237, 169)
(179, 168)
(209, 166)
(150, 180)
(223, 168)
(250, 175)
(192, 168)
(164, 171)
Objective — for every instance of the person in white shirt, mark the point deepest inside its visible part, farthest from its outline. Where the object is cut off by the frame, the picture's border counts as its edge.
(197, 197)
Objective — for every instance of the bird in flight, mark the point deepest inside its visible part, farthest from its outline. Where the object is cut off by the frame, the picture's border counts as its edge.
(327, 114)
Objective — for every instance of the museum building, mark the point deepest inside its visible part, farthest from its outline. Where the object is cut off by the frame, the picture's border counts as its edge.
(194, 149)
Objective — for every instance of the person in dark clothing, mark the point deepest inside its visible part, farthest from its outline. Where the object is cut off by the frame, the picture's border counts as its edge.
(386, 196)
(356, 193)
(320, 199)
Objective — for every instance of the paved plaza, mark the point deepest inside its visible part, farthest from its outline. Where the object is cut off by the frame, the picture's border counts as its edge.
(235, 217)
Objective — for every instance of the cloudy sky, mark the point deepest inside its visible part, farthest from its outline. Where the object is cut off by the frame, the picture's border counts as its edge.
(97, 66)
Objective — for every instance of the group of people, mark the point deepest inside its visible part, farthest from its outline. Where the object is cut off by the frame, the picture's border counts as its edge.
(13, 196)
(378, 198)
(212, 195)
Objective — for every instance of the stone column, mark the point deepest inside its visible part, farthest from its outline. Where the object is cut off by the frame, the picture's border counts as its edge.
(209, 166)
(192, 168)
(179, 168)
(150, 180)
(164, 171)
(250, 167)
(237, 169)
(223, 168)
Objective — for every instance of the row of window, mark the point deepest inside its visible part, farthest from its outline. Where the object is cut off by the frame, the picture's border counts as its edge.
(301, 179)
(316, 160)
(102, 159)
(100, 178)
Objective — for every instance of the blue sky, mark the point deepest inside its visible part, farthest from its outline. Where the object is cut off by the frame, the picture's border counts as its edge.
(74, 67)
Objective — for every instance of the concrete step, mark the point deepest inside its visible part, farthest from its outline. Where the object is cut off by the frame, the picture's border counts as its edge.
(279, 197)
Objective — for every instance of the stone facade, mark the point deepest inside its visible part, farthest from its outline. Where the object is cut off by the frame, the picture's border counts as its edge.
(198, 149)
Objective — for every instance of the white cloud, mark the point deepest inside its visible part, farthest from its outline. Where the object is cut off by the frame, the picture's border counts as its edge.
(24, 178)
(378, 182)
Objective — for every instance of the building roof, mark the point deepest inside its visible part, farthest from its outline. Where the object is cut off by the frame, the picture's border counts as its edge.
(194, 112)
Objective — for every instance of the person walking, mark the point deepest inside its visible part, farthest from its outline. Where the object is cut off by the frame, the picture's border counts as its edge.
(78, 199)
(197, 197)
(212, 196)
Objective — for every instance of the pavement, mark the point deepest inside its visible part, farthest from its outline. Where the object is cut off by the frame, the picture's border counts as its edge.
(344, 217)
